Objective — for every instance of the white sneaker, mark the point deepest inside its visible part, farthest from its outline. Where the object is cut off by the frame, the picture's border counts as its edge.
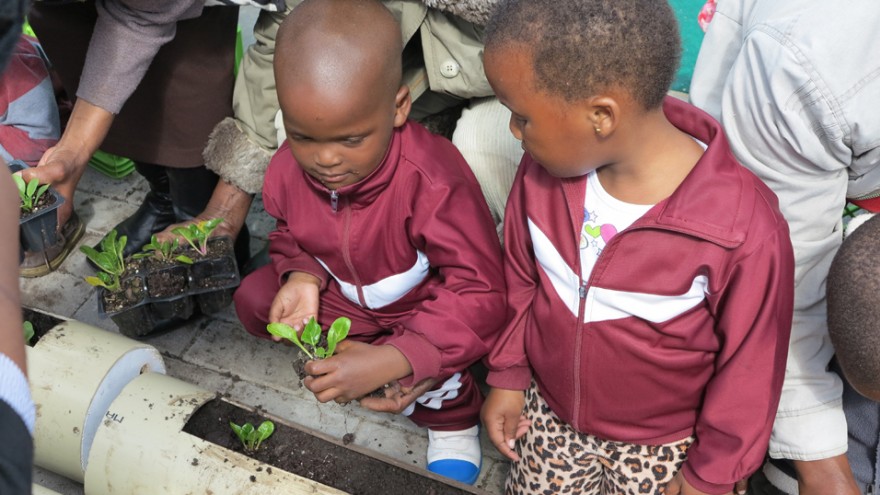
(455, 454)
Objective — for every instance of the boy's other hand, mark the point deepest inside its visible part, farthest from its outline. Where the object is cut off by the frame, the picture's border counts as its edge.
(354, 371)
(397, 398)
(296, 301)
(503, 419)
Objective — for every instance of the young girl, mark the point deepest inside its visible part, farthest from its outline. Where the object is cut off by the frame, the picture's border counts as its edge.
(649, 274)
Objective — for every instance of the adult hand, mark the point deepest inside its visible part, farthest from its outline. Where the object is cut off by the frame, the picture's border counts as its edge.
(680, 486)
(297, 301)
(64, 164)
(397, 398)
(354, 371)
(832, 475)
(503, 419)
(227, 202)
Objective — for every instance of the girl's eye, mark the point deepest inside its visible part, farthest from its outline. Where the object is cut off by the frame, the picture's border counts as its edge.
(353, 141)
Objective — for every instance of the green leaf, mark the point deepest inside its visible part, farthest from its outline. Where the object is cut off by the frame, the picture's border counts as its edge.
(32, 187)
(95, 282)
(263, 432)
(238, 432)
(286, 331)
(321, 353)
(40, 192)
(28, 328)
(184, 259)
(20, 184)
(337, 333)
(312, 333)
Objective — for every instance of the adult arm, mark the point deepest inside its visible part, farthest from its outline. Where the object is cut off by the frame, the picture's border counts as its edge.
(127, 35)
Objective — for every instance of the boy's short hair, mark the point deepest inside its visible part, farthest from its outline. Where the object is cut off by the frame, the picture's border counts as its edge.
(853, 289)
(582, 47)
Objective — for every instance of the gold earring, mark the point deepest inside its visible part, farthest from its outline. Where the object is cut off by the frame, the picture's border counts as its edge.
(598, 129)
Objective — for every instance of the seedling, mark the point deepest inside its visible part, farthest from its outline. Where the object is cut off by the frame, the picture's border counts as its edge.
(311, 336)
(109, 260)
(28, 328)
(162, 251)
(252, 438)
(29, 192)
(196, 234)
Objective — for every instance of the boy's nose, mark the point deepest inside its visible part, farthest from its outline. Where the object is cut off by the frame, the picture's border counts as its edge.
(327, 159)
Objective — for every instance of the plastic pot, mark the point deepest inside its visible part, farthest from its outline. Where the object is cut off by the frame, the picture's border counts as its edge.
(39, 229)
(75, 372)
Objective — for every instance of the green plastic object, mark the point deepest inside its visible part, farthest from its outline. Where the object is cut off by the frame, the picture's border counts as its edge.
(111, 165)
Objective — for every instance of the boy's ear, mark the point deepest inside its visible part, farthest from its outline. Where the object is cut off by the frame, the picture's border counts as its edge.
(603, 114)
(402, 105)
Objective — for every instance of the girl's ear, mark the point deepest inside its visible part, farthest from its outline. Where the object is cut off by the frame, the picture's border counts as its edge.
(603, 114)
(402, 105)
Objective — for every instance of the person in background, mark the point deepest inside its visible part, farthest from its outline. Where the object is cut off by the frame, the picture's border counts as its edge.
(17, 411)
(796, 100)
(443, 69)
(151, 79)
(649, 275)
(380, 221)
(29, 120)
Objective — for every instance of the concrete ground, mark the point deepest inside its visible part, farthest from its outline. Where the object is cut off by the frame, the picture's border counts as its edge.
(215, 352)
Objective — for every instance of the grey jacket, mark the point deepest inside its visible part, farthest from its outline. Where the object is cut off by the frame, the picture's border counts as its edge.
(796, 85)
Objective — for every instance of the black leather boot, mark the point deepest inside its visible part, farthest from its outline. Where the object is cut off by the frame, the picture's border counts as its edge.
(154, 215)
(191, 189)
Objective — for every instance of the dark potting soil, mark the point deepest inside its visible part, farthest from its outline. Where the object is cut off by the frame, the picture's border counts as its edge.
(311, 457)
(166, 283)
(45, 201)
(131, 294)
(41, 321)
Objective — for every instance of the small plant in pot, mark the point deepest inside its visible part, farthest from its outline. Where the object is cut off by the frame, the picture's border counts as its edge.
(167, 279)
(38, 220)
(214, 272)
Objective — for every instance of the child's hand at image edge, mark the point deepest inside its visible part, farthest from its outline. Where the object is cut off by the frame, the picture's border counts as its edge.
(296, 301)
(503, 419)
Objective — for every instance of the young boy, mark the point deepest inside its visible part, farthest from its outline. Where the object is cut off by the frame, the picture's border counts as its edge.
(649, 275)
(379, 221)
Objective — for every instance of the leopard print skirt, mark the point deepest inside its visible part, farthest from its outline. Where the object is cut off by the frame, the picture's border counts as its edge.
(555, 458)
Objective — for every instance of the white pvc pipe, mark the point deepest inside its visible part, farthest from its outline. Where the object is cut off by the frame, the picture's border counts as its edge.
(142, 449)
(76, 371)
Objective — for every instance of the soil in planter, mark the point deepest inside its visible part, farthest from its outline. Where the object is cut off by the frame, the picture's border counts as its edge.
(41, 321)
(131, 294)
(217, 247)
(45, 201)
(301, 453)
(167, 282)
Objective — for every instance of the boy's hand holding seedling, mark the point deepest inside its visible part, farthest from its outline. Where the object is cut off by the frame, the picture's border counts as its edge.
(296, 301)
(356, 370)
